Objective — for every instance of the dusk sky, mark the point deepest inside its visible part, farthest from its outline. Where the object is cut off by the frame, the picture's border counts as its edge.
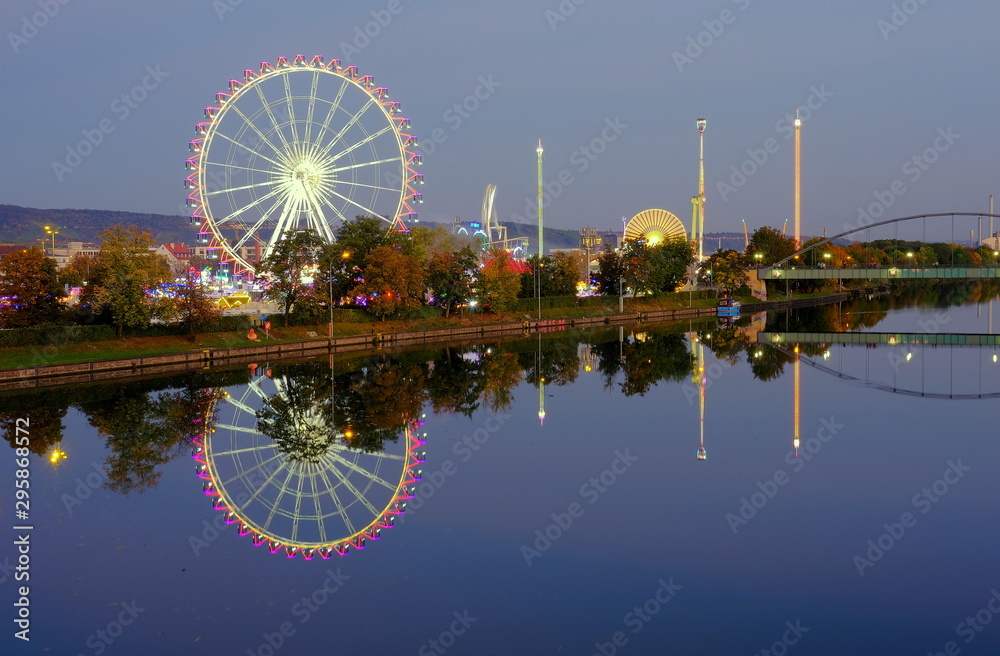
(884, 86)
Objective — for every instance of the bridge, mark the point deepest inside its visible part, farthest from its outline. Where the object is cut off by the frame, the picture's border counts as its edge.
(879, 273)
(892, 339)
(774, 272)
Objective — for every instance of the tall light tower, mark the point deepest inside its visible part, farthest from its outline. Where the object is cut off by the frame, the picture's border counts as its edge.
(540, 151)
(541, 247)
(701, 188)
(798, 180)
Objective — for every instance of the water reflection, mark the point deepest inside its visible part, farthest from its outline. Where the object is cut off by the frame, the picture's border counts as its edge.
(313, 460)
(297, 475)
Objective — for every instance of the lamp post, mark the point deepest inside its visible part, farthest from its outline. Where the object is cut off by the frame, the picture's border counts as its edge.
(343, 256)
(52, 231)
(758, 257)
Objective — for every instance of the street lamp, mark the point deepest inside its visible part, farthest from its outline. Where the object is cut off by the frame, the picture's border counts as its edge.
(343, 256)
(52, 231)
(758, 257)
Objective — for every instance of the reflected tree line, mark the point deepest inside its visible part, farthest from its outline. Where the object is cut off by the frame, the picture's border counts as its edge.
(146, 424)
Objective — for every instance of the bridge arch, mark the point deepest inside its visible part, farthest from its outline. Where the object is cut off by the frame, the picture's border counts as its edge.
(828, 240)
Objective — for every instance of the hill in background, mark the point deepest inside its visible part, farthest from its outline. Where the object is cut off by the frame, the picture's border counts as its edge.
(26, 225)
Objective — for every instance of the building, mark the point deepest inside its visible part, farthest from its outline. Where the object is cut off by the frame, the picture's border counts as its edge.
(63, 255)
(178, 256)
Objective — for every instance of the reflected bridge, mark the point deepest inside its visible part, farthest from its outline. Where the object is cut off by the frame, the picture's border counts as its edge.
(892, 339)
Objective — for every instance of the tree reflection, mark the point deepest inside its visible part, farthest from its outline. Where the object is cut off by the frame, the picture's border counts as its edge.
(144, 432)
(645, 359)
(45, 411)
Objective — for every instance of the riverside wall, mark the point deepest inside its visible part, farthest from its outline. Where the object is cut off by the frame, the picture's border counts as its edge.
(209, 358)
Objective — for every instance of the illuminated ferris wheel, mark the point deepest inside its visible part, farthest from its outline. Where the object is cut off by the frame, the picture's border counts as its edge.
(298, 145)
(284, 476)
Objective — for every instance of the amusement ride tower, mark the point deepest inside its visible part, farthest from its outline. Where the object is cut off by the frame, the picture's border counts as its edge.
(698, 202)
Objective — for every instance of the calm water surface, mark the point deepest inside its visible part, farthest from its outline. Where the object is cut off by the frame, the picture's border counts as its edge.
(599, 532)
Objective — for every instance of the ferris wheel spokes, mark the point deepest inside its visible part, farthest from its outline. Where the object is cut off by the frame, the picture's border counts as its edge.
(318, 138)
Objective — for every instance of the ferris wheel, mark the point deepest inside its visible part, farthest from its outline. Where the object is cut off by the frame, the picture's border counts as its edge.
(298, 145)
(305, 490)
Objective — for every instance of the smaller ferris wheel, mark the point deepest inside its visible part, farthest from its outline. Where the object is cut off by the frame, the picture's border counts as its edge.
(299, 145)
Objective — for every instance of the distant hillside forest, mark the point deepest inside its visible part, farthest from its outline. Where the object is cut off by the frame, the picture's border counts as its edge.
(25, 225)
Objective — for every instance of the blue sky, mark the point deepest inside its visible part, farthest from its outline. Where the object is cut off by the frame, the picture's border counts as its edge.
(559, 71)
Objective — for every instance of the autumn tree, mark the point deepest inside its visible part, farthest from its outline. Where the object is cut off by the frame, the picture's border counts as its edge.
(563, 273)
(771, 245)
(79, 270)
(29, 285)
(127, 269)
(610, 273)
(450, 277)
(653, 269)
(727, 269)
(283, 267)
(393, 282)
(193, 306)
(498, 282)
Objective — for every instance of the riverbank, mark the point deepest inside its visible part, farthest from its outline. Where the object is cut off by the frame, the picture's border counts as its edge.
(83, 362)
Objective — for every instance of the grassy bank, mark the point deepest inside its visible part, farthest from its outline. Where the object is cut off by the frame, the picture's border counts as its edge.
(67, 352)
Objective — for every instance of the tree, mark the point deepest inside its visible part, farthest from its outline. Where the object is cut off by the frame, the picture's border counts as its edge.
(728, 270)
(127, 269)
(393, 281)
(29, 289)
(450, 276)
(563, 274)
(771, 244)
(360, 237)
(283, 267)
(79, 270)
(193, 304)
(655, 269)
(498, 282)
(610, 273)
